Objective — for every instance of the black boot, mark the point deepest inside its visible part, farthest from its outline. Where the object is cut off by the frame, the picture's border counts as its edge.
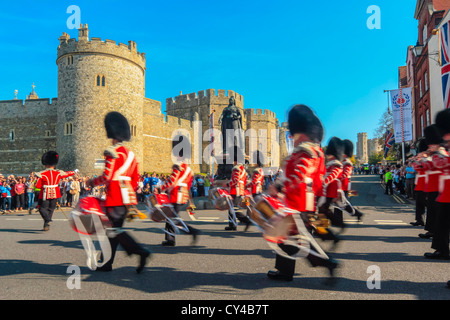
(144, 255)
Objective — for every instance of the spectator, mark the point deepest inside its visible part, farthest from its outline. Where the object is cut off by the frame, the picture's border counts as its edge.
(207, 184)
(30, 192)
(19, 189)
(6, 195)
(389, 180)
(200, 186)
(410, 179)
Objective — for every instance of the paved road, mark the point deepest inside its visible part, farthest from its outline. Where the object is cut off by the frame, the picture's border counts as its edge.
(226, 265)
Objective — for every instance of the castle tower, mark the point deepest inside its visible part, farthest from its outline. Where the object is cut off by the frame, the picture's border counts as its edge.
(361, 148)
(94, 78)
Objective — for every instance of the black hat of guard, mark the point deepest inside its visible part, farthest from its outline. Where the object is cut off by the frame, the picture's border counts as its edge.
(443, 121)
(433, 135)
(50, 158)
(348, 148)
(335, 148)
(301, 119)
(117, 127)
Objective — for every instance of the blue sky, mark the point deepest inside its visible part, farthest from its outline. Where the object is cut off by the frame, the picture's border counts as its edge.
(274, 53)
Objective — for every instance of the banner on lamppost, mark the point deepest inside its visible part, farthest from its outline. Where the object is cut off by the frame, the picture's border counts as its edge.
(402, 114)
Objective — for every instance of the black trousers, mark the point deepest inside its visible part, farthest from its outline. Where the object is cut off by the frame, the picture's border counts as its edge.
(421, 204)
(389, 189)
(430, 224)
(170, 228)
(46, 209)
(117, 217)
(442, 229)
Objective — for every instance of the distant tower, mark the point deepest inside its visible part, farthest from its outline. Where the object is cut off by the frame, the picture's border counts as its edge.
(361, 148)
(94, 78)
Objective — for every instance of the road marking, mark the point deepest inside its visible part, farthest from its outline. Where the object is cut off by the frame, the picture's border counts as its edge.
(393, 222)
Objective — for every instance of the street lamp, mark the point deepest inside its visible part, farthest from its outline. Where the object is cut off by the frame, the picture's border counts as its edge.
(417, 50)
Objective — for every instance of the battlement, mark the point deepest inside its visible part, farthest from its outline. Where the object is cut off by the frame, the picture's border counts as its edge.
(96, 45)
(208, 96)
(260, 115)
(28, 108)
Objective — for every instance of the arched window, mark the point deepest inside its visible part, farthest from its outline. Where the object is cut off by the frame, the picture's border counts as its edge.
(12, 135)
(103, 81)
(98, 81)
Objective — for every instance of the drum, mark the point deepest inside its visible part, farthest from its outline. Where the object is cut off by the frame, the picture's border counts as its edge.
(88, 216)
(159, 207)
(222, 199)
(264, 209)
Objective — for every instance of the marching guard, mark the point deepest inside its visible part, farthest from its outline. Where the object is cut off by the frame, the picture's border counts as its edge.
(48, 183)
(332, 186)
(178, 186)
(237, 186)
(421, 198)
(431, 189)
(441, 161)
(303, 170)
(121, 177)
(347, 172)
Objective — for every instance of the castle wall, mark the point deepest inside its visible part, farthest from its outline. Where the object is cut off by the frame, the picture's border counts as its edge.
(34, 127)
(158, 132)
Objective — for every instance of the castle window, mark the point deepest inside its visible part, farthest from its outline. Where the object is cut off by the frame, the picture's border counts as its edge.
(103, 81)
(68, 129)
(70, 60)
(47, 133)
(133, 130)
(12, 135)
(98, 81)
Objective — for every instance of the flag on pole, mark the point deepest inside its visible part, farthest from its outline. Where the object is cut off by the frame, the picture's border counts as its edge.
(388, 142)
(444, 42)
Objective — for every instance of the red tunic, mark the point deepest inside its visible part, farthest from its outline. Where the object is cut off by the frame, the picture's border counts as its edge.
(347, 171)
(432, 173)
(121, 176)
(256, 185)
(238, 180)
(179, 183)
(420, 176)
(331, 181)
(441, 161)
(48, 183)
(303, 171)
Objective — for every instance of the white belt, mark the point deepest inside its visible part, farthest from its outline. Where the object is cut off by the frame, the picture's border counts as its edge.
(45, 190)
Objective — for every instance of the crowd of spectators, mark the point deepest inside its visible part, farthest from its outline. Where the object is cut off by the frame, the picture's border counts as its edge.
(19, 193)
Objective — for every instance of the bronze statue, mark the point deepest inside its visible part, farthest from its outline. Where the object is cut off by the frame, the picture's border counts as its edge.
(231, 118)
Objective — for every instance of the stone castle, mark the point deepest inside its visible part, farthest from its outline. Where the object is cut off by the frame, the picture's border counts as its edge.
(96, 77)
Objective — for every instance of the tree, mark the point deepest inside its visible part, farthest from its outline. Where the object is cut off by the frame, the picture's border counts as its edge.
(385, 123)
(375, 158)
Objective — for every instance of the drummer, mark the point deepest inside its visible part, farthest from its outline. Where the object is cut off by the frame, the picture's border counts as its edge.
(303, 170)
(178, 186)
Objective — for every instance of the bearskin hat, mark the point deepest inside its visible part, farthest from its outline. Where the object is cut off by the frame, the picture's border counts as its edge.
(348, 148)
(50, 158)
(117, 127)
(301, 119)
(336, 148)
(443, 121)
(422, 146)
(433, 135)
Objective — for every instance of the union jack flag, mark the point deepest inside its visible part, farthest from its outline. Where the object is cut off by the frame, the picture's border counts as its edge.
(445, 63)
(390, 139)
